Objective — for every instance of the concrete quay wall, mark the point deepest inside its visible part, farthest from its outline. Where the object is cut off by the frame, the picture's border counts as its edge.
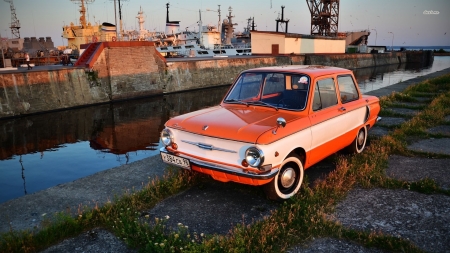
(189, 75)
(206, 73)
(39, 91)
(122, 72)
(352, 61)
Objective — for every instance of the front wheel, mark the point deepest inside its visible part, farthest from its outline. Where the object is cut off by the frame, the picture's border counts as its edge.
(288, 180)
(359, 143)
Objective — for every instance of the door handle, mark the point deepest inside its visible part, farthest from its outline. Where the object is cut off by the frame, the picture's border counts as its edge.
(342, 109)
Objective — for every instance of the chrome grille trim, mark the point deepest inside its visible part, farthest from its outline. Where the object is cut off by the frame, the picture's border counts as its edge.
(208, 147)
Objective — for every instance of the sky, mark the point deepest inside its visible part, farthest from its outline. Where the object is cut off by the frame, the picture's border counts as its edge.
(391, 22)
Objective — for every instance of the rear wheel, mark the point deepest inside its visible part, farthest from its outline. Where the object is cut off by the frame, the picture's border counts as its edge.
(359, 143)
(288, 180)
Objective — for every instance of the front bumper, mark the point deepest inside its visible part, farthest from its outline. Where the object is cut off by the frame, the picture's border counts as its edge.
(227, 173)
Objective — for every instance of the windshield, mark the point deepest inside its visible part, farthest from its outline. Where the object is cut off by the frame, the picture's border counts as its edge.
(279, 90)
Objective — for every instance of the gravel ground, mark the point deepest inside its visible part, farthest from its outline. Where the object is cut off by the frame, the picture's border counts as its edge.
(378, 131)
(422, 219)
(403, 111)
(414, 169)
(214, 207)
(332, 245)
(438, 146)
(390, 121)
(444, 130)
(94, 241)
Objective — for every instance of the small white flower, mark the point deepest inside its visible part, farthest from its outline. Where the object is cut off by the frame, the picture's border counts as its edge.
(167, 217)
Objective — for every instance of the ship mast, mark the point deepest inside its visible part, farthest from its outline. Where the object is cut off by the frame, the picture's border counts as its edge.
(82, 11)
(141, 21)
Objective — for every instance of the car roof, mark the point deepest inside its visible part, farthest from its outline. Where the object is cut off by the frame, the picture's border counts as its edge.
(313, 70)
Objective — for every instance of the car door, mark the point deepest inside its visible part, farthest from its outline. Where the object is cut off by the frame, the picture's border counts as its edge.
(327, 123)
(356, 110)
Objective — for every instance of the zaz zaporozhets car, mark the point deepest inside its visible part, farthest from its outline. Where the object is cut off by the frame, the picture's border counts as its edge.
(273, 123)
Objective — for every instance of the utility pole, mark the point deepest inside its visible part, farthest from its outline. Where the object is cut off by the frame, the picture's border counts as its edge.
(115, 17)
(3, 56)
(119, 34)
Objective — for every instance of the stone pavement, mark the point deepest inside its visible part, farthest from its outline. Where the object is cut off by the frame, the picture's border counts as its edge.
(423, 219)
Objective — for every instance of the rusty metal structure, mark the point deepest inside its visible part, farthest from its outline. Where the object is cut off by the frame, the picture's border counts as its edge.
(324, 17)
(282, 20)
(15, 24)
(82, 11)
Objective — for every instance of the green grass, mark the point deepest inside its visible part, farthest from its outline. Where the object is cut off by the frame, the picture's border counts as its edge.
(296, 221)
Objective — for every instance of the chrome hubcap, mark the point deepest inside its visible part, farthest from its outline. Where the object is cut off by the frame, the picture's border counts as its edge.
(361, 138)
(288, 177)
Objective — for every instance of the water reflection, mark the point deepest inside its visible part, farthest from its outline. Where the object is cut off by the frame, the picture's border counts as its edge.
(41, 151)
(62, 146)
(381, 76)
(116, 128)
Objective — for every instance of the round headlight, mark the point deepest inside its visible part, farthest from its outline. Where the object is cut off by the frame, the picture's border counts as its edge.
(166, 137)
(254, 156)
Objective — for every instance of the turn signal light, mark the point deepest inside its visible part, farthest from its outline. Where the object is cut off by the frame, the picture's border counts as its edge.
(174, 146)
(244, 163)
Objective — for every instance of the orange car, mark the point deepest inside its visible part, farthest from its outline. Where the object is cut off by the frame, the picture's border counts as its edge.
(273, 123)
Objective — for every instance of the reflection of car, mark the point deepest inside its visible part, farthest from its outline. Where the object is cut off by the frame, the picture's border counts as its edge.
(273, 123)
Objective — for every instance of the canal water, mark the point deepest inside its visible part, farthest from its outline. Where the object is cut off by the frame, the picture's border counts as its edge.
(41, 151)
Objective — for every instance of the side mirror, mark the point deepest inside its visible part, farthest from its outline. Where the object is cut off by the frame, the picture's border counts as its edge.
(281, 122)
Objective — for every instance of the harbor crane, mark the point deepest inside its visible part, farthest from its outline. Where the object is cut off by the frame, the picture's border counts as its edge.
(324, 17)
(15, 24)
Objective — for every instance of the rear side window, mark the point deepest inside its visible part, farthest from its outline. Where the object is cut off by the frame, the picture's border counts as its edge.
(324, 94)
(347, 89)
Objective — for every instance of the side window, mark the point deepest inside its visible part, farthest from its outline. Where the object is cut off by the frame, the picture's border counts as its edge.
(347, 89)
(324, 94)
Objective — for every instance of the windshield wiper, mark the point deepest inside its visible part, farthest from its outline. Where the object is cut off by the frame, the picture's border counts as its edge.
(236, 101)
(263, 103)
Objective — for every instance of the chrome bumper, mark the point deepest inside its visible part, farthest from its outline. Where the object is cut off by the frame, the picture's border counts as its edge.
(378, 118)
(225, 169)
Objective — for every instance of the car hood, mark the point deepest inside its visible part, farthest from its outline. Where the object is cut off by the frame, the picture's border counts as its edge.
(240, 123)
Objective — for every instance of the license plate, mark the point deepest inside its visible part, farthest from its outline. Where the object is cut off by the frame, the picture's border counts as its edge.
(176, 160)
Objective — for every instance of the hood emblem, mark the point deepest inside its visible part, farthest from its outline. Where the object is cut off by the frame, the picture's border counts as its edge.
(205, 127)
